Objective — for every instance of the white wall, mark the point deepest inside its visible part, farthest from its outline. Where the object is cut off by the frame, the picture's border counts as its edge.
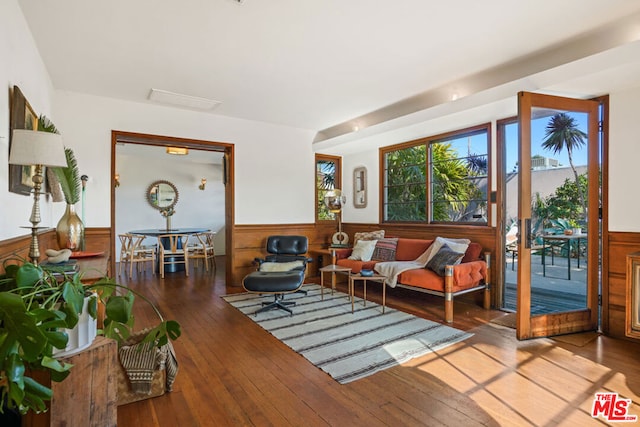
(274, 165)
(368, 159)
(624, 155)
(21, 65)
(195, 207)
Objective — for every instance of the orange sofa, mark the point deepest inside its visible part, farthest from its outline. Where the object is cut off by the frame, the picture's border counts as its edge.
(471, 275)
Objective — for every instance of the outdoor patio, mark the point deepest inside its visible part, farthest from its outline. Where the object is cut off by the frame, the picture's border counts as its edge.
(551, 292)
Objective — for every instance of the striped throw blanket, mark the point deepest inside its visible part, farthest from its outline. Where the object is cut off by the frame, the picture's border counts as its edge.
(141, 360)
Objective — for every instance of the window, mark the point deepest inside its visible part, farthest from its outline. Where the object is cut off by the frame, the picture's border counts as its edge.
(327, 178)
(441, 179)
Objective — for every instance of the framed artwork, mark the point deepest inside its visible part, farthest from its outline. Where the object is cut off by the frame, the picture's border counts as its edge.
(22, 117)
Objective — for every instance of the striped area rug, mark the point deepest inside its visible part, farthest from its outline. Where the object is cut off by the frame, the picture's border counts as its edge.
(347, 346)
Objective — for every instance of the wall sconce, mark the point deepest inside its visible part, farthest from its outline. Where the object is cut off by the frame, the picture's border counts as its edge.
(203, 182)
(116, 180)
(179, 151)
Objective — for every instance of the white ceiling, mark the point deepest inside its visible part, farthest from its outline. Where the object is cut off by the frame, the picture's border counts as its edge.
(318, 64)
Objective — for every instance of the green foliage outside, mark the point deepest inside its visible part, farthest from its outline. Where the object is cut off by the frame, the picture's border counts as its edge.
(455, 195)
(325, 181)
(562, 132)
(565, 203)
(406, 198)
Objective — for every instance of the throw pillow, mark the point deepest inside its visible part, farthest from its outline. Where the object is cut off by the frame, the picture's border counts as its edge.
(445, 256)
(385, 250)
(429, 253)
(458, 245)
(281, 266)
(368, 235)
(472, 253)
(363, 250)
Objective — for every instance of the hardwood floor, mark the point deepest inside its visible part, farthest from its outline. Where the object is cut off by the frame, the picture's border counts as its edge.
(234, 373)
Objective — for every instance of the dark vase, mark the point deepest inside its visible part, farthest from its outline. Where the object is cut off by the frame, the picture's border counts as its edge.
(70, 230)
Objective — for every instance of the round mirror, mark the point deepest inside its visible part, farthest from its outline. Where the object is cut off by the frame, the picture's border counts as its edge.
(162, 195)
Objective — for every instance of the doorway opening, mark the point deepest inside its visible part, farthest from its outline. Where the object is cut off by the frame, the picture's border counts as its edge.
(211, 170)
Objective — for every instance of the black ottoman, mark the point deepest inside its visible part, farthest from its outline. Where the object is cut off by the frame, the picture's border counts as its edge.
(277, 283)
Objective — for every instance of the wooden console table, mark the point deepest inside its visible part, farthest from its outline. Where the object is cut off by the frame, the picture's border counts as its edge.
(93, 268)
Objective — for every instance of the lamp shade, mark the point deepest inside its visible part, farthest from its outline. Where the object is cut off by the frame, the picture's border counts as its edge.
(29, 147)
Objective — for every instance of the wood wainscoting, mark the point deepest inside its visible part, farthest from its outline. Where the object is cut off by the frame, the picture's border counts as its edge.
(96, 240)
(250, 242)
(614, 281)
(18, 247)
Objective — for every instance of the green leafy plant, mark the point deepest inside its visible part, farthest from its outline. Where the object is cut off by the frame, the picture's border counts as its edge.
(558, 226)
(35, 308)
(69, 176)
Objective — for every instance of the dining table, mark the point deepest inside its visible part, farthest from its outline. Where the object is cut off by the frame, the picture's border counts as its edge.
(155, 232)
(567, 240)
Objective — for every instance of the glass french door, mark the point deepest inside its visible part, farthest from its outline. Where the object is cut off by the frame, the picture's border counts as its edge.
(558, 215)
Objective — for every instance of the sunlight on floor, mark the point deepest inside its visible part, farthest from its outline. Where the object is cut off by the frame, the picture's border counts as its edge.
(506, 382)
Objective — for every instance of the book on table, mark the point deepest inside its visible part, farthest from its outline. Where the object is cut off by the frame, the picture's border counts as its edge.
(70, 266)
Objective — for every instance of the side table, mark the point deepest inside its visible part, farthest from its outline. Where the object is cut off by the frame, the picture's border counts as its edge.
(333, 269)
(375, 278)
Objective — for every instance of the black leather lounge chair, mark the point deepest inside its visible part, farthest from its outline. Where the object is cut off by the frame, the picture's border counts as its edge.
(281, 272)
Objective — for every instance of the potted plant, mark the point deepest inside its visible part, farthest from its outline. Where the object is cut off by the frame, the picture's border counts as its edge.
(562, 226)
(70, 229)
(36, 306)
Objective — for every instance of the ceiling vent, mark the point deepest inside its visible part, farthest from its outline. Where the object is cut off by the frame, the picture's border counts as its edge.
(181, 100)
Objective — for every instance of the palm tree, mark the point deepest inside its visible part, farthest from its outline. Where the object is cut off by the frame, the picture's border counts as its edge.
(325, 181)
(562, 132)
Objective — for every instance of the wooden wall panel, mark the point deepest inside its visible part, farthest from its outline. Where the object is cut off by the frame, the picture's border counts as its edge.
(614, 275)
(251, 240)
(96, 240)
(18, 247)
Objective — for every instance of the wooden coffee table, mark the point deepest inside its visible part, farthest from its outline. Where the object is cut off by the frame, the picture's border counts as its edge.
(333, 269)
(375, 278)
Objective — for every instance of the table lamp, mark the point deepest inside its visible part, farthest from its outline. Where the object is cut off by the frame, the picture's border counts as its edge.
(334, 200)
(32, 148)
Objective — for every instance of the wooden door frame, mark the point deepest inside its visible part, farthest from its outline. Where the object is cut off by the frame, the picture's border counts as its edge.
(565, 322)
(164, 141)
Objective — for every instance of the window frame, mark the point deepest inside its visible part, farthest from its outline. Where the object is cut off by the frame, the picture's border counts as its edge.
(427, 141)
(337, 181)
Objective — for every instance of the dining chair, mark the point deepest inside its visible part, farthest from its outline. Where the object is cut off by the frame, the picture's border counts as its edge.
(172, 250)
(203, 249)
(133, 251)
(125, 246)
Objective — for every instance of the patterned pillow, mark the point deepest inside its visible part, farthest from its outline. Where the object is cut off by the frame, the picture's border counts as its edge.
(368, 235)
(445, 256)
(385, 250)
